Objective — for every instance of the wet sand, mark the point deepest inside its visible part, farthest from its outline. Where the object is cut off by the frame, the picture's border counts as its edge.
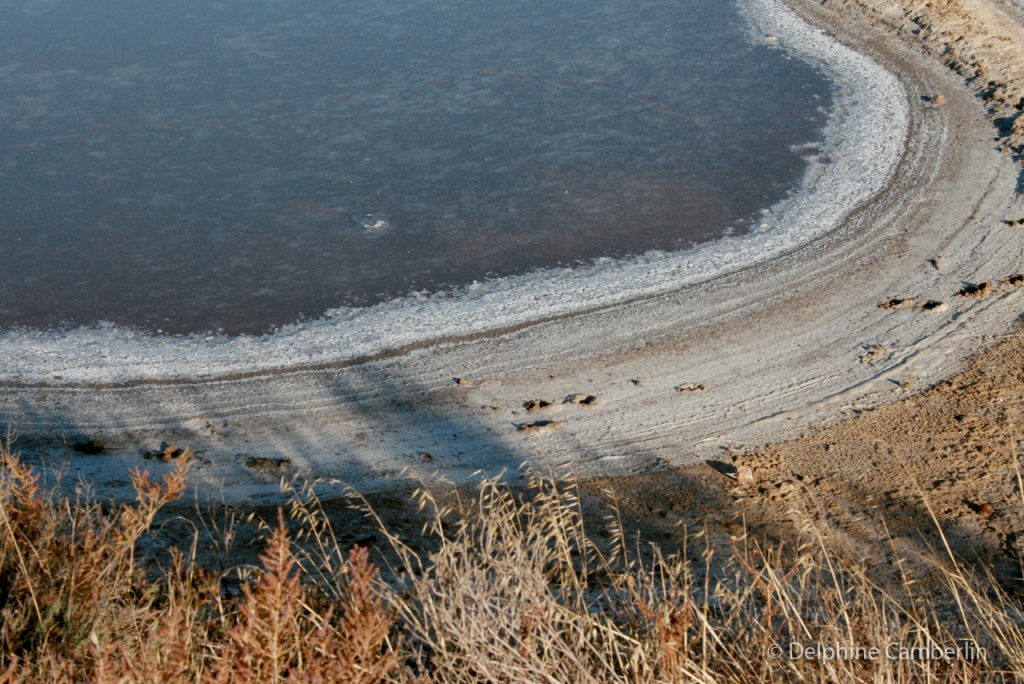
(892, 301)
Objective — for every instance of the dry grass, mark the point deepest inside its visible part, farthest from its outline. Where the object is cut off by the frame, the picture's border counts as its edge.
(513, 590)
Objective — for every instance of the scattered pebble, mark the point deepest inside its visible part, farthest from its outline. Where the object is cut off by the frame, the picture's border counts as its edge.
(974, 291)
(539, 426)
(896, 303)
(535, 405)
(1015, 223)
(937, 99)
(1017, 279)
(935, 306)
(92, 447)
(169, 452)
(745, 475)
(936, 263)
(581, 399)
(691, 387)
(426, 457)
(985, 509)
(462, 382)
(637, 382)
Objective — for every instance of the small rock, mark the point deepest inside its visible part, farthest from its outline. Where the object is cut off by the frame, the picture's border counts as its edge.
(985, 509)
(936, 263)
(170, 452)
(896, 303)
(938, 99)
(1015, 223)
(745, 475)
(92, 447)
(935, 306)
(426, 457)
(975, 291)
(691, 387)
(462, 382)
(581, 399)
(1016, 279)
(1017, 128)
(539, 426)
(997, 94)
(637, 382)
(535, 405)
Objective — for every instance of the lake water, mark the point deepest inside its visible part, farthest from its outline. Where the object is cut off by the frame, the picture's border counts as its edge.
(243, 164)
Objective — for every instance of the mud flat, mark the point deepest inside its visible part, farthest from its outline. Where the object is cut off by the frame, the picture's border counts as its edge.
(896, 264)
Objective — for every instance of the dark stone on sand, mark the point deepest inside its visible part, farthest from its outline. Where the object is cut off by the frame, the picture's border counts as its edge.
(933, 305)
(974, 290)
(92, 447)
(896, 303)
(539, 426)
(170, 452)
(581, 399)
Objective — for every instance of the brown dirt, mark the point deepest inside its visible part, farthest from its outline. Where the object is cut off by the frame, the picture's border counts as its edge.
(868, 482)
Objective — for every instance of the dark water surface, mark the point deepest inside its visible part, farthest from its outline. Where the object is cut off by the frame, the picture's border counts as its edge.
(237, 165)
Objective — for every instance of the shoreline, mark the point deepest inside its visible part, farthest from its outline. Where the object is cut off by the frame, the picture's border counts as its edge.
(680, 376)
(862, 143)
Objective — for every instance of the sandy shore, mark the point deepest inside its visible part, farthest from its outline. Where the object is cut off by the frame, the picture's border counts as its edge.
(891, 301)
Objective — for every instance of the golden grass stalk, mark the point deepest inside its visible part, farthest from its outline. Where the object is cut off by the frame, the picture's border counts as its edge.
(505, 585)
